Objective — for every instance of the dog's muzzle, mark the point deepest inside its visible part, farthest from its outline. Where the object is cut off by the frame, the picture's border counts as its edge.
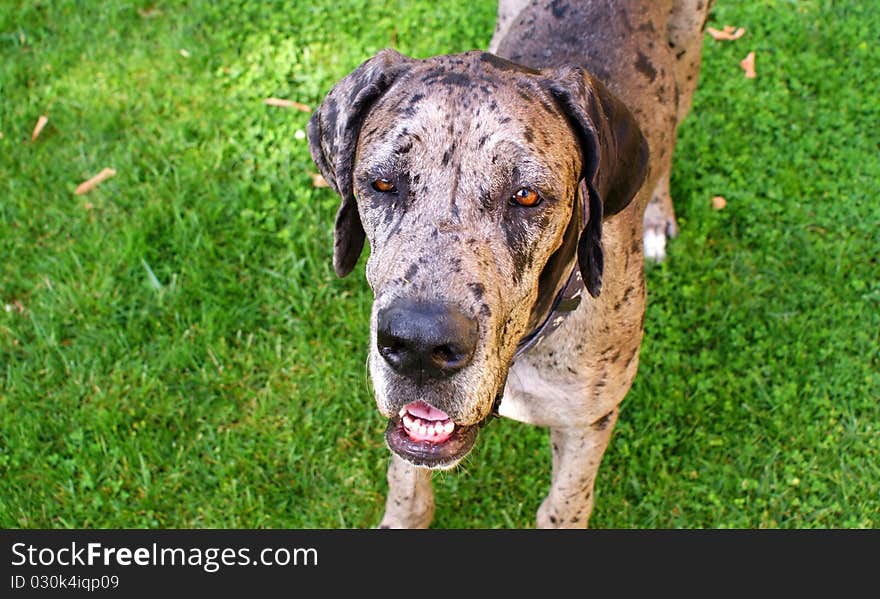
(423, 342)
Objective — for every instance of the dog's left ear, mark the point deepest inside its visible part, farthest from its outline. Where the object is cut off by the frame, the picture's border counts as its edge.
(615, 158)
(333, 133)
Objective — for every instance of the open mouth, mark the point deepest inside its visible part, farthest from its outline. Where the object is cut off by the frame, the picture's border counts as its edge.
(427, 437)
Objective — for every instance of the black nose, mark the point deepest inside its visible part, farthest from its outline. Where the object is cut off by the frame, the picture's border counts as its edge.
(428, 339)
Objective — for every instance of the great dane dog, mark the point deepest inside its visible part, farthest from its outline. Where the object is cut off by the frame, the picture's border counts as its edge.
(510, 199)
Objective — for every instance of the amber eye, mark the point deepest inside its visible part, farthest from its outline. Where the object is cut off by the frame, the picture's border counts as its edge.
(525, 197)
(384, 185)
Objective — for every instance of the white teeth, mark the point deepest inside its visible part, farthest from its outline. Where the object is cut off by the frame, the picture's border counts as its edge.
(426, 428)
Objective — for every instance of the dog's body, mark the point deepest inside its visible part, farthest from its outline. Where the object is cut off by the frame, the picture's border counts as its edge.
(505, 197)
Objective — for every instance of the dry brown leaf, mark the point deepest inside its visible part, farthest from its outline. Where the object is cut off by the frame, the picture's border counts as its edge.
(318, 180)
(149, 13)
(41, 122)
(729, 33)
(282, 103)
(718, 202)
(90, 184)
(748, 65)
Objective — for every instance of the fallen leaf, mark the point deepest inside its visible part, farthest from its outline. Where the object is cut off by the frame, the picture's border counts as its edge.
(748, 65)
(282, 103)
(318, 180)
(184, 53)
(718, 202)
(41, 122)
(728, 33)
(149, 13)
(90, 184)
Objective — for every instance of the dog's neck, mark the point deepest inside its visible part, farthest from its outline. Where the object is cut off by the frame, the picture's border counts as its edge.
(568, 298)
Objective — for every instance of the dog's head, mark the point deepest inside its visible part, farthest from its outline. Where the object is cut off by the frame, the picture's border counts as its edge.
(463, 172)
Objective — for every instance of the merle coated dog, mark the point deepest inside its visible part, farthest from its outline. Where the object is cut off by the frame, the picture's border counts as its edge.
(510, 199)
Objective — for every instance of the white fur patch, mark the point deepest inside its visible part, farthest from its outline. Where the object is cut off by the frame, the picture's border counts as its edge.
(531, 398)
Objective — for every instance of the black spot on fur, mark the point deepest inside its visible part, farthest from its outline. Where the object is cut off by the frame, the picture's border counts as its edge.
(410, 109)
(485, 199)
(454, 80)
(411, 271)
(404, 147)
(447, 155)
(645, 67)
(456, 265)
(524, 95)
(558, 8)
(433, 74)
(520, 248)
(603, 422)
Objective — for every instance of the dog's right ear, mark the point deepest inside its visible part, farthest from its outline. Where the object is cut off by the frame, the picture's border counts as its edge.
(333, 136)
(615, 158)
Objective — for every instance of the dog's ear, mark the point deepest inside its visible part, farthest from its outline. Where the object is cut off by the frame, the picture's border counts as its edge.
(333, 134)
(615, 158)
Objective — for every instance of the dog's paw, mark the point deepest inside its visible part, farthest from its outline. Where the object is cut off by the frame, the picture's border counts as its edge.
(659, 222)
(655, 243)
(655, 236)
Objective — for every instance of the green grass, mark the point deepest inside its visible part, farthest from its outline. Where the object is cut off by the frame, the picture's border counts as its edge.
(177, 352)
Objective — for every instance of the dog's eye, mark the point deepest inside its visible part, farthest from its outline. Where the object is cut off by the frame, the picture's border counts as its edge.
(525, 197)
(384, 186)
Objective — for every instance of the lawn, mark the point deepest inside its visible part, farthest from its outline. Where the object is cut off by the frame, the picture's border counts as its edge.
(175, 350)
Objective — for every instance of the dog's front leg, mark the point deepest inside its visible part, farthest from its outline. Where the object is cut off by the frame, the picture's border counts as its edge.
(410, 501)
(577, 453)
